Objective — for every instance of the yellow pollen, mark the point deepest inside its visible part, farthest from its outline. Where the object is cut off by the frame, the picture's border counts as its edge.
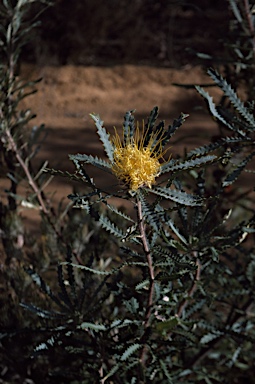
(133, 163)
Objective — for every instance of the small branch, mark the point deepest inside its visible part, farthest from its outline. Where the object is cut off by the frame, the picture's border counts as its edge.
(192, 289)
(31, 182)
(144, 239)
(146, 248)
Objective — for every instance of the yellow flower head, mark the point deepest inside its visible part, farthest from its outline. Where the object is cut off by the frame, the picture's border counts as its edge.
(135, 163)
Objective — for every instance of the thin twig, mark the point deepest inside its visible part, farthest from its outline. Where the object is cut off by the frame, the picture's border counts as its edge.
(192, 289)
(31, 182)
(146, 248)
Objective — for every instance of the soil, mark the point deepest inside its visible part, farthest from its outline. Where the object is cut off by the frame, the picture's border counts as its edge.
(68, 94)
(117, 59)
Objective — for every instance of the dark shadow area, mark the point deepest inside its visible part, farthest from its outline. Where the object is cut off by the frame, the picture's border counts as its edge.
(162, 32)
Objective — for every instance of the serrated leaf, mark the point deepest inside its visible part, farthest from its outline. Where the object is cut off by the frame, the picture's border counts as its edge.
(43, 286)
(92, 326)
(97, 272)
(150, 125)
(165, 370)
(132, 305)
(214, 111)
(209, 337)
(234, 174)
(188, 164)
(113, 370)
(121, 323)
(143, 284)
(64, 294)
(42, 312)
(111, 227)
(177, 231)
(176, 196)
(128, 126)
(129, 351)
(166, 326)
(187, 334)
(104, 136)
(93, 160)
(250, 271)
(230, 93)
(177, 123)
(213, 146)
(119, 213)
(151, 217)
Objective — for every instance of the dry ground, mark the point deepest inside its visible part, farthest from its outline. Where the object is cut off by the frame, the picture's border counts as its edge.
(68, 94)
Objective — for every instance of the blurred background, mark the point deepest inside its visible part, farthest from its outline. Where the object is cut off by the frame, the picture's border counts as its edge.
(97, 32)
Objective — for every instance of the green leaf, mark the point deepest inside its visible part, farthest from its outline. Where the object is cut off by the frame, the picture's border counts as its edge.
(176, 124)
(43, 286)
(250, 270)
(176, 196)
(128, 126)
(119, 213)
(213, 146)
(168, 325)
(151, 217)
(165, 370)
(132, 305)
(88, 159)
(132, 349)
(230, 93)
(234, 174)
(177, 231)
(111, 227)
(214, 111)
(188, 164)
(210, 336)
(42, 312)
(142, 285)
(112, 371)
(96, 271)
(104, 136)
(150, 125)
(92, 326)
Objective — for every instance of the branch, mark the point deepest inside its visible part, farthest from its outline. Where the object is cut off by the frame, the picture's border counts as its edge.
(192, 289)
(31, 182)
(146, 248)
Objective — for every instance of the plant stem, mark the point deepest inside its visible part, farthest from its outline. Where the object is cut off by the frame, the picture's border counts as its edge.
(193, 287)
(33, 185)
(146, 248)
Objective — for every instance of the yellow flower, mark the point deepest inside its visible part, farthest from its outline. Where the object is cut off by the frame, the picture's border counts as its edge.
(135, 163)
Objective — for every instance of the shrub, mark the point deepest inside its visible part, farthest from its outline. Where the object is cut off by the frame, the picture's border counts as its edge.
(161, 293)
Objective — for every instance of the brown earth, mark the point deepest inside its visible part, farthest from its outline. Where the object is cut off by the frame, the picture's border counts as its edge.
(68, 94)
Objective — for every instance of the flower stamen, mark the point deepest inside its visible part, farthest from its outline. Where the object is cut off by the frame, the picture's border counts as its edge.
(135, 163)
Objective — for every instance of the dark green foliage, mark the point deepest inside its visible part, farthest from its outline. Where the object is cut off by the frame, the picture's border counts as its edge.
(161, 293)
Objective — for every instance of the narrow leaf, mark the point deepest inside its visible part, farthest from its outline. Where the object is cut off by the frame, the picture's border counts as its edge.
(89, 159)
(234, 175)
(128, 125)
(94, 327)
(230, 93)
(214, 111)
(132, 349)
(188, 164)
(177, 196)
(104, 136)
(111, 227)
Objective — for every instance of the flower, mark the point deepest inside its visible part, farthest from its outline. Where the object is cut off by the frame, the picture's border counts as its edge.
(134, 162)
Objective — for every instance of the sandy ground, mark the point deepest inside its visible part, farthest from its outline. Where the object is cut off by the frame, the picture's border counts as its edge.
(67, 95)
